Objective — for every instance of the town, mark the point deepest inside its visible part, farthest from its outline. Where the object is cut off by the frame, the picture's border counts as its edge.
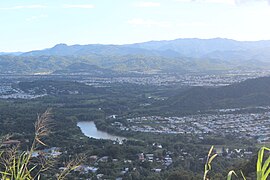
(7, 91)
(226, 121)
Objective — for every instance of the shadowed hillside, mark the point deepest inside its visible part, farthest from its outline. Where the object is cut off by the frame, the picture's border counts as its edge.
(253, 92)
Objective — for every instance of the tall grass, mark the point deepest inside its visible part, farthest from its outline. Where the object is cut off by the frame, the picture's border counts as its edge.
(207, 166)
(230, 175)
(19, 165)
(262, 170)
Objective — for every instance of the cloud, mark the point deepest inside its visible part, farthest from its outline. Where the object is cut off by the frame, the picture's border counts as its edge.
(35, 6)
(231, 2)
(182, 0)
(147, 4)
(191, 24)
(149, 23)
(80, 6)
(35, 18)
(246, 1)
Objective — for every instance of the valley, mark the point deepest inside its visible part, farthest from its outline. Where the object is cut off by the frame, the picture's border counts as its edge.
(159, 137)
(148, 113)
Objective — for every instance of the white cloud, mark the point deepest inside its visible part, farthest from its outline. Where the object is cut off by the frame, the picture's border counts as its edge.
(231, 2)
(246, 1)
(149, 23)
(81, 6)
(35, 6)
(221, 1)
(34, 18)
(191, 24)
(147, 4)
(209, 1)
(182, 0)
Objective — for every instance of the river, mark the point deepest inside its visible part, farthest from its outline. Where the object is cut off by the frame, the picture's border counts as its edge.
(89, 129)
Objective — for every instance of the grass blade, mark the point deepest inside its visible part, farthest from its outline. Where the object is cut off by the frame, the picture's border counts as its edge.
(230, 174)
(243, 176)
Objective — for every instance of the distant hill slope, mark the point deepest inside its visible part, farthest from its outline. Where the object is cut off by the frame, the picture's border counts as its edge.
(25, 65)
(140, 63)
(84, 68)
(252, 92)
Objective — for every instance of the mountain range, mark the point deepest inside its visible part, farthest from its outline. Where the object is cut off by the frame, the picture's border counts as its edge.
(180, 55)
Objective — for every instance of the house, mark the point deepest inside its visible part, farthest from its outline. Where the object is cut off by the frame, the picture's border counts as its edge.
(83, 169)
(150, 157)
(127, 161)
(248, 154)
(99, 176)
(104, 159)
(157, 170)
(53, 152)
(157, 145)
(93, 169)
(168, 160)
(93, 158)
(113, 116)
(141, 157)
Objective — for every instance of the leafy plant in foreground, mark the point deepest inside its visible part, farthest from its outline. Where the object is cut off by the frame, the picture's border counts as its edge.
(262, 171)
(207, 166)
(17, 165)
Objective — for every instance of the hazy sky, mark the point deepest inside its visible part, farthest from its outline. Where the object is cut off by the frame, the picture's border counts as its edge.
(38, 24)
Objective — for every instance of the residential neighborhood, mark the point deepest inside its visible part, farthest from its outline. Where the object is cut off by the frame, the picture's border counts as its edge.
(226, 122)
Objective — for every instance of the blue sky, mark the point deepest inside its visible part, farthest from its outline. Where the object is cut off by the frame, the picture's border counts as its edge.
(37, 24)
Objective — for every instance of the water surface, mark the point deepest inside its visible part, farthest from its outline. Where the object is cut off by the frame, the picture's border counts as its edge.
(89, 129)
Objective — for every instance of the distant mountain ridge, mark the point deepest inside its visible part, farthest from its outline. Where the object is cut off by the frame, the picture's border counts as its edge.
(192, 47)
(97, 49)
(180, 55)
